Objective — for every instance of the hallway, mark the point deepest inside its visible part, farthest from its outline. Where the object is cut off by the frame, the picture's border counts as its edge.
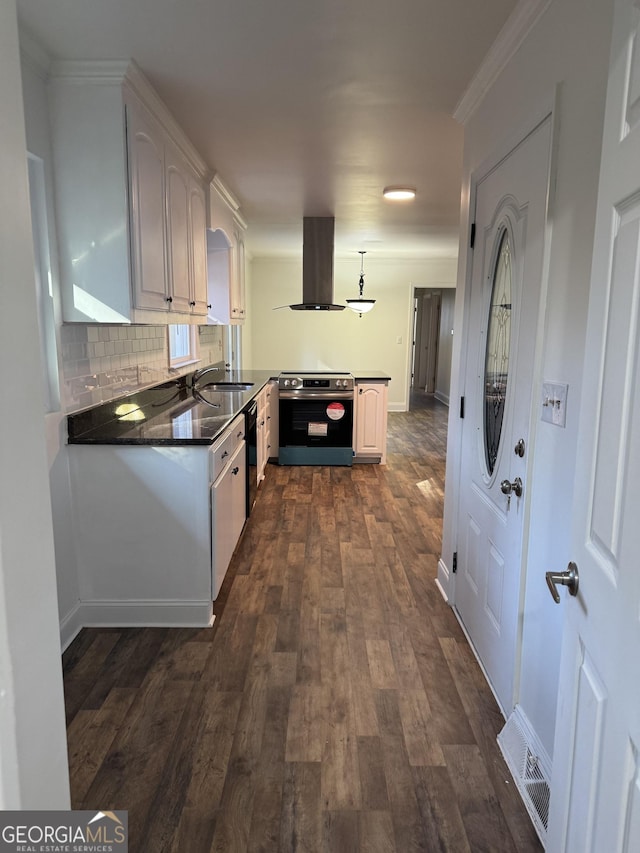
(334, 706)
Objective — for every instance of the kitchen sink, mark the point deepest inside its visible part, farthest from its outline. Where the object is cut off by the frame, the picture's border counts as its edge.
(228, 386)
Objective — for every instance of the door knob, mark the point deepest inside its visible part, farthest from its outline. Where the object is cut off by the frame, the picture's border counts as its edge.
(507, 487)
(569, 579)
(519, 448)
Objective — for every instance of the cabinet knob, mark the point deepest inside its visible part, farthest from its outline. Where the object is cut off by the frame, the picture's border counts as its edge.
(169, 298)
(235, 470)
(192, 304)
(209, 307)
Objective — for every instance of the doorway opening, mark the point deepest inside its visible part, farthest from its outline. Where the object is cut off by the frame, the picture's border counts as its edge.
(432, 345)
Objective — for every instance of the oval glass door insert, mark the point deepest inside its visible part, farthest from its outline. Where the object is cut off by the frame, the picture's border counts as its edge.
(496, 364)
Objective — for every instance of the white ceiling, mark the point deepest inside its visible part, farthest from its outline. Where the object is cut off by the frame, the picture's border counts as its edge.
(305, 108)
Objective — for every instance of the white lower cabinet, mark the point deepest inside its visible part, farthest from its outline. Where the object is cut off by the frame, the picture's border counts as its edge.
(155, 528)
(273, 420)
(266, 427)
(228, 511)
(370, 427)
(262, 435)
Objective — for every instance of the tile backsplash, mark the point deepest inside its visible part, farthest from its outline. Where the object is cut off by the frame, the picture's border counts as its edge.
(100, 362)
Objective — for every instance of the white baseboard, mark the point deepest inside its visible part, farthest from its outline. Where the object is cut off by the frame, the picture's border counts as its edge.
(70, 627)
(441, 590)
(136, 614)
(444, 398)
(443, 580)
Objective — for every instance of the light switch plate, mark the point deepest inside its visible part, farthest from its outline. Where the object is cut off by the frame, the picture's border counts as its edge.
(554, 403)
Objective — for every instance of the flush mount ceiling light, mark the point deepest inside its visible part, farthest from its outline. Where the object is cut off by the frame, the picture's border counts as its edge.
(361, 305)
(399, 193)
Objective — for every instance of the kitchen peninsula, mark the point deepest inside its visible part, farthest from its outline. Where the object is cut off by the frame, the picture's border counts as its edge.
(160, 480)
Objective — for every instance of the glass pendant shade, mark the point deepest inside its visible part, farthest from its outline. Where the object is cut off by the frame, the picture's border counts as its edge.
(361, 305)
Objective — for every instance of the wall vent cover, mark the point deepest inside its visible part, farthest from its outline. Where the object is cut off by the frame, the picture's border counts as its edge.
(527, 773)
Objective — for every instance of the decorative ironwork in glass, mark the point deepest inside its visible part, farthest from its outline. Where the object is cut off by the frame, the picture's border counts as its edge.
(496, 365)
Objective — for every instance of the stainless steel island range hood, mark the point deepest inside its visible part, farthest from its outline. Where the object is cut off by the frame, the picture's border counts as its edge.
(317, 265)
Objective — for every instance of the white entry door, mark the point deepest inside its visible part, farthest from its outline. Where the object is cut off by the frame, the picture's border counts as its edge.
(595, 791)
(510, 220)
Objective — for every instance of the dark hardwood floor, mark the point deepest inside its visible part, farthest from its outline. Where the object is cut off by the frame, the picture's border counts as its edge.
(334, 706)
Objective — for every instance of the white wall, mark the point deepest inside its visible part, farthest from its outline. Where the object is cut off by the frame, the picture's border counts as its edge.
(33, 754)
(39, 143)
(568, 46)
(342, 340)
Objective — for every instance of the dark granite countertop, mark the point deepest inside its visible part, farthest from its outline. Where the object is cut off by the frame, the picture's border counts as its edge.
(171, 414)
(167, 414)
(371, 376)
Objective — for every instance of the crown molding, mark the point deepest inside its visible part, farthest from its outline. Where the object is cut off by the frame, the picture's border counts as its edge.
(137, 82)
(225, 193)
(103, 72)
(129, 75)
(521, 21)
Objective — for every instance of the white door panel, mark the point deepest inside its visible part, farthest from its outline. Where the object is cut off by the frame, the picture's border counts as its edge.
(510, 217)
(596, 775)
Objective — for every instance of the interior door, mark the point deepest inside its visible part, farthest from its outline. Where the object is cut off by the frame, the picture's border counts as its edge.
(595, 803)
(506, 277)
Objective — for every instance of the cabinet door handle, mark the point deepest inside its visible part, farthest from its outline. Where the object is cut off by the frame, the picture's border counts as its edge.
(360, 391)
(225, 454)
(235, 470)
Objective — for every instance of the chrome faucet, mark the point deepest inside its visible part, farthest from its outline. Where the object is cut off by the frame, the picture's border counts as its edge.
(198, 374)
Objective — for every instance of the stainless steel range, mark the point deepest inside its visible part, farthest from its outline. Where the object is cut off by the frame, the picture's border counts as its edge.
(316, 418)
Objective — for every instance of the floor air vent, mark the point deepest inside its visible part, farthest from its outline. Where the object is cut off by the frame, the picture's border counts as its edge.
(528, 774)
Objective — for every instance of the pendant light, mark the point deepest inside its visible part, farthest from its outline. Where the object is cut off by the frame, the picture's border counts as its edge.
(361, 305)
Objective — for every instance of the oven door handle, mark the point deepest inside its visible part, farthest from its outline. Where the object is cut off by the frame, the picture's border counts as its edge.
(316, 395)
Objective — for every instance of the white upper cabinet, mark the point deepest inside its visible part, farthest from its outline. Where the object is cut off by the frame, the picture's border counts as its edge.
(225, 257)
(147, 194)
(198, 242)
(237, 294)
(178, 244)
(130, 200)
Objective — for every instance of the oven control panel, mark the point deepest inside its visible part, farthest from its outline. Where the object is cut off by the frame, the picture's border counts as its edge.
(319, 382)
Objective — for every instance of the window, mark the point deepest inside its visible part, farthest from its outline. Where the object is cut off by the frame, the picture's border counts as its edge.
(496, 365)
(183, 345)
